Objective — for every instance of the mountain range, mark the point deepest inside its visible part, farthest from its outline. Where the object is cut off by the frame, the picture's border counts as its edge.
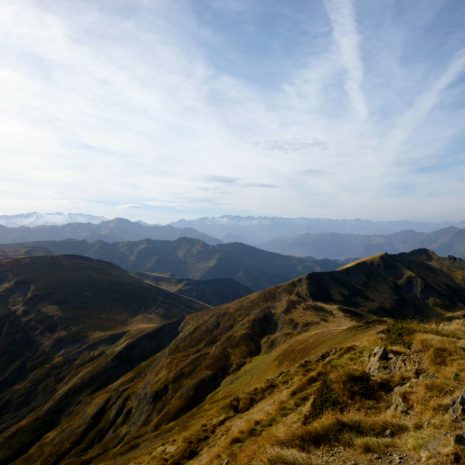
(187, 258)
(32, 219)
(228, 228)
(447, 241)
(92, 372)
(115, 230)
(256, 230)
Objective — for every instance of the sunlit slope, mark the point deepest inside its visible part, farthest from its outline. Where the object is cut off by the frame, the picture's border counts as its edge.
(231, 376)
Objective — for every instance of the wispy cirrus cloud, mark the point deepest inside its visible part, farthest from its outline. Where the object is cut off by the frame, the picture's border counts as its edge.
(348, 40)
(426, 101)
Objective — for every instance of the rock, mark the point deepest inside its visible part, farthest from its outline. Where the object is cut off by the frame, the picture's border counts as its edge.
(398, 403)
(388, 433)
(428, 377)
(380, 354)
(458, 407)
(459, 439)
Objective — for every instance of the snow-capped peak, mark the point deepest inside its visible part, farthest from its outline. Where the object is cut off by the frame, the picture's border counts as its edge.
(32, 219)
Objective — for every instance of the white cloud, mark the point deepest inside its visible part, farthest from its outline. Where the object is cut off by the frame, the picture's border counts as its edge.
(347, 37)
(103, 111)
(426, 101)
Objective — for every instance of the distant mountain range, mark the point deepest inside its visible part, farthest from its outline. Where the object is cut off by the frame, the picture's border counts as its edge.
(256, 230)
(447, 241)
(187, 258)
(32, 219)
(115, 230)
(248, 230)
(251, 230)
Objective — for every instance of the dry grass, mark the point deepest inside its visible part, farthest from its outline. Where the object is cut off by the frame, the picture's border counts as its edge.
(275, 455)
(342, 429)
(371, 445)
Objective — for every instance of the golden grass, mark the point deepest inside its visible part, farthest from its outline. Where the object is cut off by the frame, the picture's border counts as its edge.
(274, 455)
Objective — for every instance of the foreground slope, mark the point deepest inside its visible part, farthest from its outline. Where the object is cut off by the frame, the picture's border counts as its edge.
(71, 325)
(232, 379)
(195, 259)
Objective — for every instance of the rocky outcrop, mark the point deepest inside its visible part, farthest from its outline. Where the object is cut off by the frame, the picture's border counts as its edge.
(399, 399)
(457, 409)
(382, 361)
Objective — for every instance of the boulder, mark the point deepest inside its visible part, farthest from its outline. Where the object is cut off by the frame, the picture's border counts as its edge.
(398, 399)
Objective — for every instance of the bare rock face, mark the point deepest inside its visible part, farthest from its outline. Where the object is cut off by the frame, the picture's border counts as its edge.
(377, 361)
(457, 409)
(381, 361)
(399, 403)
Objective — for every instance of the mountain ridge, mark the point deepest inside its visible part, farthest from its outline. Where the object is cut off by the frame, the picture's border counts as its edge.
(255, 230)
(447, 241)
(118, 229)
(193, 259)
(249, 360)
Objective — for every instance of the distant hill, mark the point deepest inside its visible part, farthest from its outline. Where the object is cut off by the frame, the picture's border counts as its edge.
(210, 291)
(74, 290)
(115, 230)
(255, 230)
(195, 259)
(447, 241)
(227, 382)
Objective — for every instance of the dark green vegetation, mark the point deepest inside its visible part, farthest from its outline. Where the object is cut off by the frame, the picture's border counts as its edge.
(195, 259)
(278, 373)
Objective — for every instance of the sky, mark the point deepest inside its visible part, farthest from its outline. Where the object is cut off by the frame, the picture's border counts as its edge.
(167, 109)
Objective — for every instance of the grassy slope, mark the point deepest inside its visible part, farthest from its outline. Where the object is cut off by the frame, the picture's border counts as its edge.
(70, 326)
(279, 369)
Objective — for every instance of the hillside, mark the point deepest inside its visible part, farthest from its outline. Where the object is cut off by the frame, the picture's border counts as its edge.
(210, 291)
(274, 377)
(195, 259)
(70, 326)
(115, 230)
(448, 241)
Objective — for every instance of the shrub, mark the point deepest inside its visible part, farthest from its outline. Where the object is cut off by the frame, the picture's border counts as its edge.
(341, 390)
(399, 334)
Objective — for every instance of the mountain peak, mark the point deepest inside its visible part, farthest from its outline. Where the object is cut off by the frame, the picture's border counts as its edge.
(32, 219)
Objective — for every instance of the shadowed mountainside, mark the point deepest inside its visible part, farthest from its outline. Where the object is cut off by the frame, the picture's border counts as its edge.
(194, 259)
(69, 326)
(210, 291)
(224, 376)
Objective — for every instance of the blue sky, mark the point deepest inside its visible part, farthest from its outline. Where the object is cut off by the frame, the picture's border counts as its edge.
(160, 109)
